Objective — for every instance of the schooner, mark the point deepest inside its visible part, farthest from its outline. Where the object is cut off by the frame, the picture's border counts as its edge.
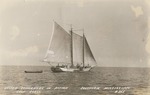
(68, 52)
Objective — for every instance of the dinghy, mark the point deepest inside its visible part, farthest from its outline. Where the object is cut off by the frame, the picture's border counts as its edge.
(33, 71)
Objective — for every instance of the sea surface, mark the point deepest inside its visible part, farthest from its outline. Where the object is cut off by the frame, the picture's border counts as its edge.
(99, 81)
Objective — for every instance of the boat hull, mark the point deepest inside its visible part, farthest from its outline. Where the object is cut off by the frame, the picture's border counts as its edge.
(64, 69)
(33, 71)
(56, 69)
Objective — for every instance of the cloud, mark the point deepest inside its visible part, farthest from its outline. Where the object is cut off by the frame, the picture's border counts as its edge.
(137, 10)
(23, 52)
(14, 33)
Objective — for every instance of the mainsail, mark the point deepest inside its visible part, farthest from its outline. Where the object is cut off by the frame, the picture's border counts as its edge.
(59, 48)
(77, 49)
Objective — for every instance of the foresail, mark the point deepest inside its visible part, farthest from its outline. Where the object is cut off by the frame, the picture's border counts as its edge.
(77, 49)
(59, 50)
(88, 56)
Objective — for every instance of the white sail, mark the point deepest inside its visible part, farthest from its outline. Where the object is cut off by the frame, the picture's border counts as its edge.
(59, 50)
(77, 49)
(88, 56)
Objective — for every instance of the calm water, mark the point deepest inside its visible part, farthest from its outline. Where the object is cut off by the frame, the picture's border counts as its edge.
(136, 79)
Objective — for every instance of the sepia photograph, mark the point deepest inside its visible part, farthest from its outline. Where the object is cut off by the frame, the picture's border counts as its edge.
(74, 47)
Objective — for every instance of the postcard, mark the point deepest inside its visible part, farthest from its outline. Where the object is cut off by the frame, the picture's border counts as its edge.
(74, 47)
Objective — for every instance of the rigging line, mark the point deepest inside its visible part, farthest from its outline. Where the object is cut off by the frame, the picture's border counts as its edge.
(49, 63)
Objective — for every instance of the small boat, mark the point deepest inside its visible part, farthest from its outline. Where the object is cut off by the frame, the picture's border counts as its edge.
(33, 71)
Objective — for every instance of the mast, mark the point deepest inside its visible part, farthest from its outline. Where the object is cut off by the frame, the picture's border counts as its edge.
(83, 49)
(71, 47)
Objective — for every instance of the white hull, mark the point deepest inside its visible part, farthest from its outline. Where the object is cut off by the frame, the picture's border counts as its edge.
(75, 69)
(60, 69)
(67, 69)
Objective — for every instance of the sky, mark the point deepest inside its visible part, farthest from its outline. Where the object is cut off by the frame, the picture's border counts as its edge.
(117, 30)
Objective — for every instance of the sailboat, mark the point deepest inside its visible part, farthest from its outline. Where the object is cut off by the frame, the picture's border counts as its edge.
(68, 52)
